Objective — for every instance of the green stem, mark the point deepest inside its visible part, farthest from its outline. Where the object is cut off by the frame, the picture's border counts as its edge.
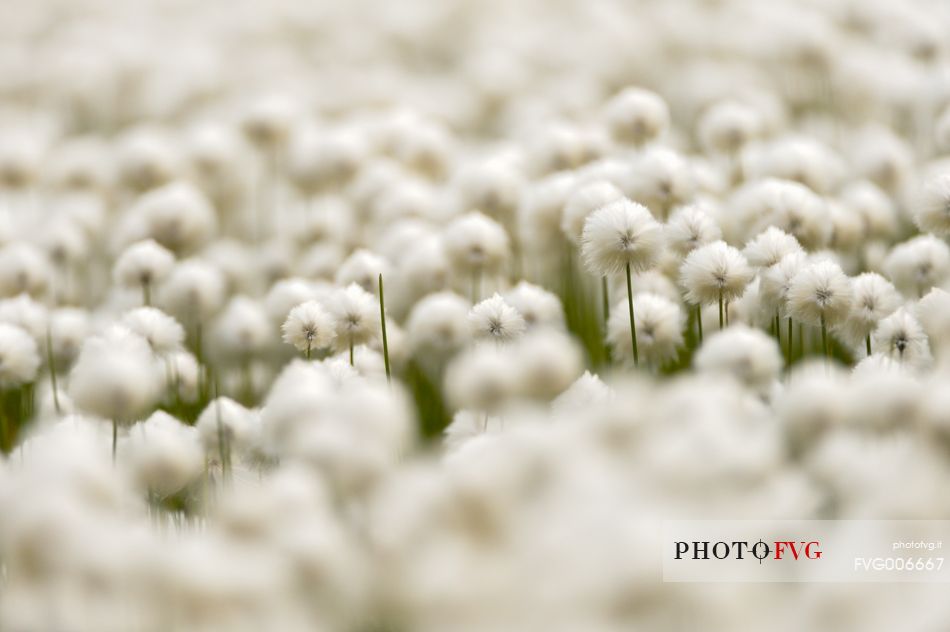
(307, 352)
(867, 343)
(824, 337)
(721, 320)
(52, 368)
(223, 450)
(382, 318)
(633, 328)
(699, 322)
(351, 353)
(788, 349)
(605, 298)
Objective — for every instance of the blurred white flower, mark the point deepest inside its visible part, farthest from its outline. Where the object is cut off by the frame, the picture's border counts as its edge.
(494, 319)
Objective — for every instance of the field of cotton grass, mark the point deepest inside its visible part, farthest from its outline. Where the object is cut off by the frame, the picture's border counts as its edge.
(423, 316)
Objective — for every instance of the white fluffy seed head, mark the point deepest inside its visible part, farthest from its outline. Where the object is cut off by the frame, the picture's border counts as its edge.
(621, 234)
(19, 357)
(768, 247)
(493, 187)
(636, 116)
(820, 293)
(145, 263)
(875, 208)
(588, 390)
(727, 126)
(584, 201)
(901, 338)
(194, 291)
(775, 280)
(24, 268)
(713, 272)
(932, 210)
(659, 322)
(225, 420)
(918, 264)
(68, 327)
(162, 332)
(494, 319)
(163, 454)
(115, 376)
(356, 318)
(476, 244)
(240, 331)
(481, 378)
(933, 312)
(308, 327)
(177, 215)
(746, 354)
(689, 228)
(363, 268)
(438, 325)
(789, 206)
(874, 298)
(538, 306)
(547, 362)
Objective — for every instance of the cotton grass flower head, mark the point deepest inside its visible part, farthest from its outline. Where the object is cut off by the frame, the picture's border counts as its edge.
(24, 268)
(494, 319)
(163, 454)
(621, 235)
(775, 281)
(143, 265)
(918, 264)
(874, 299)
(162, 332)
(661, 180)
(240, 331)
(68, 327)
(659, 322)
(547, 362)
(363, 268)
(901, 337)
(747, 354)
(356, 317)
(177, 215)
(115, 376)
(309, 326)
(586, 391)
(689, 228)
(727, 126)
(438, 325)
(538, 306)
(768, 247)
(586, 199)
(789, 206)
(820, 293)
(932, 210)
(933, 312)
(19, 357)
(476, 244)
(225, 424)
(194, 291)
(716, 272)
(636, 116)
(480, 378)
